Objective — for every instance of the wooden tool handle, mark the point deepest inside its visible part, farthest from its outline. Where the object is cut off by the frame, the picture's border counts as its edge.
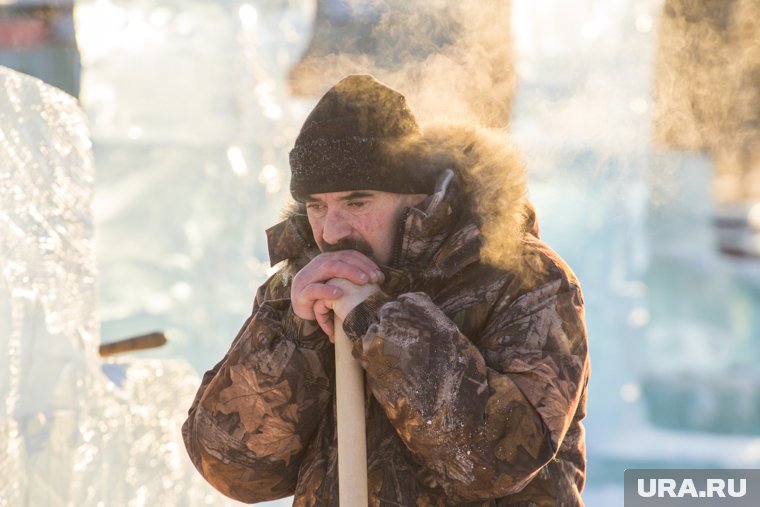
(146, 341)
(352, 437)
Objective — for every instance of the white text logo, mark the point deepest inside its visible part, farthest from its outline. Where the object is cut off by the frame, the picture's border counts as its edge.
(715, 488)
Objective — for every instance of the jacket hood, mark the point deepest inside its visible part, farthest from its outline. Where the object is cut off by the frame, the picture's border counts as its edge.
(481, 212)
(492, 183)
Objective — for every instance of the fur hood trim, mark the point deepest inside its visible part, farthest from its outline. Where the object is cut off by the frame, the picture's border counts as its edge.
(493, 176)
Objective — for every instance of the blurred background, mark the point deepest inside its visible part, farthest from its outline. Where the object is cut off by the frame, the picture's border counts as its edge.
(136, 203)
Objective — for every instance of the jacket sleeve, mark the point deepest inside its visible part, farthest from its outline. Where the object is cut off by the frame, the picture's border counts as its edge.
(257, 410)
(485, 418)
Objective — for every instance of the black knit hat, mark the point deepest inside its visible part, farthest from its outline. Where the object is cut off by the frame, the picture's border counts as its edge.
(361, 135)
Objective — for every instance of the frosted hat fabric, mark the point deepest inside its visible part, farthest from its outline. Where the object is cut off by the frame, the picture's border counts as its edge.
(361, 135)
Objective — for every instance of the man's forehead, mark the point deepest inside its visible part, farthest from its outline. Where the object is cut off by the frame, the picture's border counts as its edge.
(342, 196)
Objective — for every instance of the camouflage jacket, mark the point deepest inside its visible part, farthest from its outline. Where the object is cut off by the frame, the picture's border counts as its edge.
(475, 357)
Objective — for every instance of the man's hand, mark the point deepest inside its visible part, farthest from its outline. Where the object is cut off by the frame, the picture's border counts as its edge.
(310, 284)
(352, 295)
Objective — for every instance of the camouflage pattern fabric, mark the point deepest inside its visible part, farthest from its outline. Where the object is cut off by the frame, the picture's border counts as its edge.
(476, 364)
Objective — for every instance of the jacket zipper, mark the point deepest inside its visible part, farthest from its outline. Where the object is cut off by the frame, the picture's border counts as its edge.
(396, 260)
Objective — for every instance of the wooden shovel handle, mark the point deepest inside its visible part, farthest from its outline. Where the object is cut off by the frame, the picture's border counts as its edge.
(352, 436)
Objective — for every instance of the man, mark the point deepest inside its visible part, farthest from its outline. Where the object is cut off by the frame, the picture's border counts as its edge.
(470, 330)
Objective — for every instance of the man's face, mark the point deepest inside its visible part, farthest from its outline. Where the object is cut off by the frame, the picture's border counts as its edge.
(363, 220)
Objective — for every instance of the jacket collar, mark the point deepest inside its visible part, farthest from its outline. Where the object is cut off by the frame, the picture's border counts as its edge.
(291, 239)
(438, 238)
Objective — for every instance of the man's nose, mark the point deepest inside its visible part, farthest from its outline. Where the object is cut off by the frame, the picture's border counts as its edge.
(335, 227)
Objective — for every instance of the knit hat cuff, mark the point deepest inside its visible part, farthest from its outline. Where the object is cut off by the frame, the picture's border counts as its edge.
(359, 163)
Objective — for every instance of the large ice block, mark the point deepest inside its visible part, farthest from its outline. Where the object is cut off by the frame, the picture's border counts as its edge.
(73, 430)
(48, 328)
(673, 330)
(188, 71)
(191, 124)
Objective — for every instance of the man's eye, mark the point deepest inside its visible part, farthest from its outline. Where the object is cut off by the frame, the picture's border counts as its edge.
(314, 207)
(357, 204)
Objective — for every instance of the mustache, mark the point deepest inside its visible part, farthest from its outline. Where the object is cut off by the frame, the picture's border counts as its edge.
(357, 244)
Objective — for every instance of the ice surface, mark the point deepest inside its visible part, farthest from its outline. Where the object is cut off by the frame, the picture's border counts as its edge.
(47, 295)
(73, 430)
(191, 123)
(672, 326)
(584, 134)
(190, 72)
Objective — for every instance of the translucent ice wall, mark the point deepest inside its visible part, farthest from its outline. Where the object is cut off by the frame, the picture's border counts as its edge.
(48, 328)
(191, 125)
(672, 327)
(73, 430)
(581, 120)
